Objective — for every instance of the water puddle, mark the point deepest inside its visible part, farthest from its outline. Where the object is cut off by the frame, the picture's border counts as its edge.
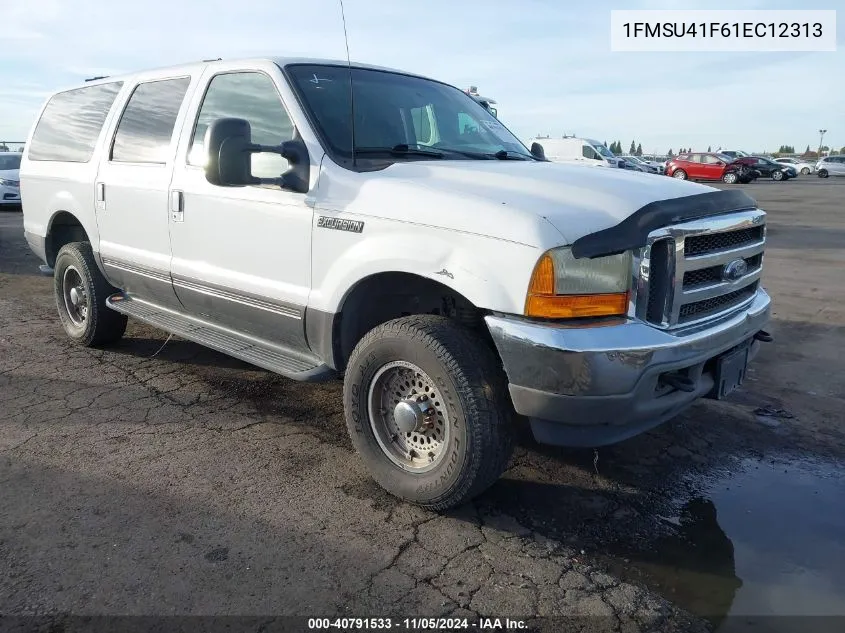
(757, 550)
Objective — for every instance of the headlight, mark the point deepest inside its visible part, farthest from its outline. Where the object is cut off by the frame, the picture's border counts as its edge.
(564, 287)
(10, 183)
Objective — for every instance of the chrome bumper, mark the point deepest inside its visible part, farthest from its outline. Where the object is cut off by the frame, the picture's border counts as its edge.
(591, 386)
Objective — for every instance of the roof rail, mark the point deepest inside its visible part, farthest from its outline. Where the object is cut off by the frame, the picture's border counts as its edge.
(96, 78)
(218, 59)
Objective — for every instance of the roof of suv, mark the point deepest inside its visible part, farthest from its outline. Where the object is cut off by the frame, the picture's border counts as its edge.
(279, 61)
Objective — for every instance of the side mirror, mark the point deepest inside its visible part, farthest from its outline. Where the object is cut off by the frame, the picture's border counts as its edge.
(229, 147)
(537, 151)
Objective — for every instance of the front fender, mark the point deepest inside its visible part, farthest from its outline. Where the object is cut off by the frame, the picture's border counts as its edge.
(491, 273)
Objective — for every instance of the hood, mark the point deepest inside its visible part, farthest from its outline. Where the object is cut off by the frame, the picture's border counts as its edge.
(511, 200)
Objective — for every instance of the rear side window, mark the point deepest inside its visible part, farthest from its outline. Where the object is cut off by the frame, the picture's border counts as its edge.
(71, 123)
(146, 127)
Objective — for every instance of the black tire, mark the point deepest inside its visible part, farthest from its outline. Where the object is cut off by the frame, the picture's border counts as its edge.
(473, 387)
(99, 325)
(823, 173)
(778, 175)
(680, 174)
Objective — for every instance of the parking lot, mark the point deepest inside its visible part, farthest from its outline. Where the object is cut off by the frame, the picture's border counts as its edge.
(173, 480)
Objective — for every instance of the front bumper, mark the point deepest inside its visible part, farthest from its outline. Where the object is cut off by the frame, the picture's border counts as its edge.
(10, 195)
(592, 386)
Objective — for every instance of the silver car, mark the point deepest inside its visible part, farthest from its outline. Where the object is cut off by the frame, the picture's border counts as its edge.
(831, 166)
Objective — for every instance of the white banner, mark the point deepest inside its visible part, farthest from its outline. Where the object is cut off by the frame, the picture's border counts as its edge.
(723, 31)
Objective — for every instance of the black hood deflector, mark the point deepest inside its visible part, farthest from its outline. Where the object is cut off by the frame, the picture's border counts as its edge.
(632, 232)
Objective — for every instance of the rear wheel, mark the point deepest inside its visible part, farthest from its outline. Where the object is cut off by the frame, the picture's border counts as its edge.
(427, 409)
(81, 292)
(680, 174)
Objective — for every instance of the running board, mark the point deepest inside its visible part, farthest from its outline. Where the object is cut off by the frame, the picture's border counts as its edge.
(277, 359)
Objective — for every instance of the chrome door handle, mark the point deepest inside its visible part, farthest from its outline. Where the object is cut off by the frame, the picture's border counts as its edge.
(177, 206)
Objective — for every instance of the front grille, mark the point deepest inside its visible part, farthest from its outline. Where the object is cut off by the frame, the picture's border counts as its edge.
(680, 278)
(700, 309)
(700, 244)
(713, 274)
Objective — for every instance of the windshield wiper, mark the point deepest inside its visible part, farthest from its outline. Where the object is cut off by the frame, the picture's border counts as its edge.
(400, 150)
(504, 154)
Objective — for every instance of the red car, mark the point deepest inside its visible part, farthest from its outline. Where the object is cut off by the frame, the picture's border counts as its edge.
(704, 166)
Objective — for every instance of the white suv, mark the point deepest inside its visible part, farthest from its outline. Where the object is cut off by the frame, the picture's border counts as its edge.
(451, 276)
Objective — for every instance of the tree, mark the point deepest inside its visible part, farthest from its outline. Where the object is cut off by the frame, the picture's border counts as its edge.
(669, 153)
(633, 149)
(786, 149)
(708, 149)
(605, 144)
(639, 149)
(842, 150)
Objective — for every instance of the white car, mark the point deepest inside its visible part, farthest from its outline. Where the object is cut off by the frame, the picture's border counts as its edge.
(831, 166)
(10, 192)
(802, 167)
(452, 277)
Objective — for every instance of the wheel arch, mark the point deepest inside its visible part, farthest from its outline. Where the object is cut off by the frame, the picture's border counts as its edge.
(64, 227)
(381, 297)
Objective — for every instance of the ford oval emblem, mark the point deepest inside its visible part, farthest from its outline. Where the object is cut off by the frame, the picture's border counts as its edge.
(734, 270)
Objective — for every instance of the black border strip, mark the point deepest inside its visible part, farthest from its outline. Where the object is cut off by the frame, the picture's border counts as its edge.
(632, 232)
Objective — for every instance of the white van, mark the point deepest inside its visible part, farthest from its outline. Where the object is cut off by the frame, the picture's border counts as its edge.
(584, 151)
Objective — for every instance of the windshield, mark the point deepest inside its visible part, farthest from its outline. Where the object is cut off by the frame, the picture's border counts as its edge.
(397, 111)
(601, 149)
(632, 159)
(10, 162)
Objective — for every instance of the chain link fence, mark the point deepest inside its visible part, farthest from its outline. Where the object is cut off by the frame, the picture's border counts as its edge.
(11, 146)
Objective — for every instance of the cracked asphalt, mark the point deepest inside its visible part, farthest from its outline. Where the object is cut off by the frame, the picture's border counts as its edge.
(150, 480)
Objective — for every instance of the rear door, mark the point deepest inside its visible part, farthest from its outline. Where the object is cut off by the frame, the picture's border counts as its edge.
(837, 165)
(132, 189)
(695, 169)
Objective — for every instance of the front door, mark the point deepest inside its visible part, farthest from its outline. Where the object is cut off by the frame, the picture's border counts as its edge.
(131, 191)
(711, 167)
(242, 255)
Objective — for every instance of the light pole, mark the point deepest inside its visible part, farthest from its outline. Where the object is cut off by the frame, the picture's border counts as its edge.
(821, 139)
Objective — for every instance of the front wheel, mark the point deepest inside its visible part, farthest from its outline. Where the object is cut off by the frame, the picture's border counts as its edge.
(823, 173)
(805, 171)
(81, 292)
(730, 178)
(680, 174)
(778, 175)
(427, 409)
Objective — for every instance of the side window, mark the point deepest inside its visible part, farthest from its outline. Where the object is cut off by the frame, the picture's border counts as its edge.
(710, 160)
(71, 123)
(251, 96)
(421, 120)
(146, 127)
(589, 152)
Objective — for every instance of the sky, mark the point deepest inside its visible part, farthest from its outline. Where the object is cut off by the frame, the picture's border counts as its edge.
(548, 63)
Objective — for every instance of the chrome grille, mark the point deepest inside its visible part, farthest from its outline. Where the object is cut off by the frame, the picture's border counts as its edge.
(680, 276)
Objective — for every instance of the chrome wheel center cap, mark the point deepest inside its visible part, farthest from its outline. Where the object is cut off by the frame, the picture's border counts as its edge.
(74, 296)
(411, 415)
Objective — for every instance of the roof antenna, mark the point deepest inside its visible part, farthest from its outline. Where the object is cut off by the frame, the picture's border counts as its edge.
(351, 90)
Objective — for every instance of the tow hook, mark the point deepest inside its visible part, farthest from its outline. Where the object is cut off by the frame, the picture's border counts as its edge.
(764, 337)
(679, 382)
